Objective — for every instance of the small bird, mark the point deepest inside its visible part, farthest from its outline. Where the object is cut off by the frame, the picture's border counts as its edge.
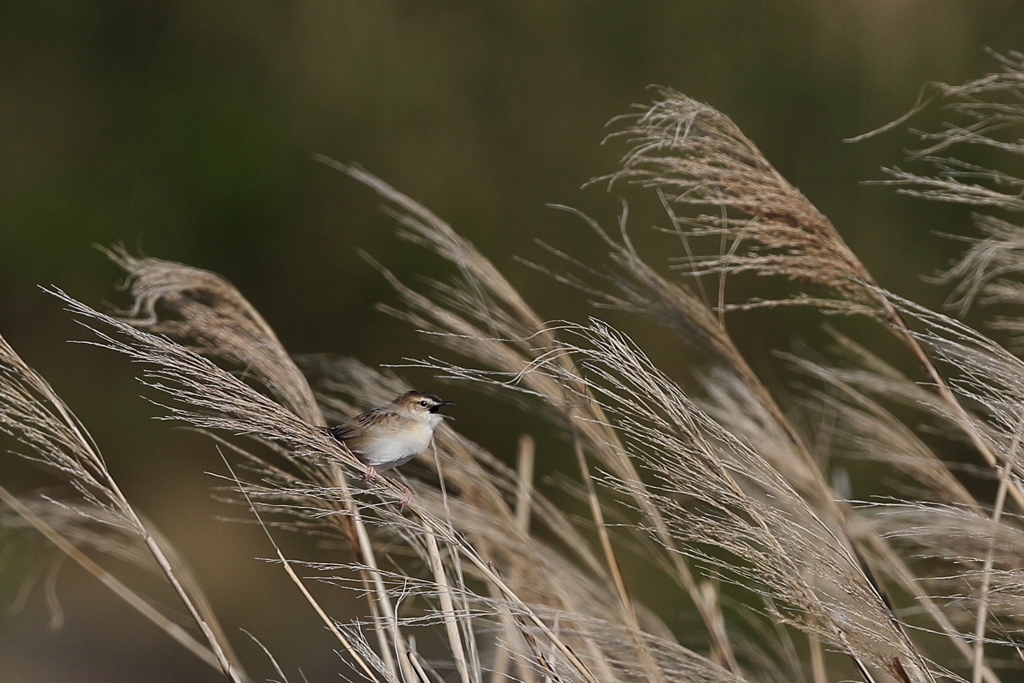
(392, 435)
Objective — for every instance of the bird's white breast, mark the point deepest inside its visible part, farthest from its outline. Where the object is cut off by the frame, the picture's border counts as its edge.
(392, 448)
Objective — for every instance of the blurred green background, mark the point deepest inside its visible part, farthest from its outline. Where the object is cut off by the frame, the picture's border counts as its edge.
(184, 129)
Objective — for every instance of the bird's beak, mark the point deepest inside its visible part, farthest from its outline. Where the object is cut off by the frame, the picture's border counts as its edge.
(437, 409)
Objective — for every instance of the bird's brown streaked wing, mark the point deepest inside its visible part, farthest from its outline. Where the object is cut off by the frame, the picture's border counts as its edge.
(360, 423)
(341, 432)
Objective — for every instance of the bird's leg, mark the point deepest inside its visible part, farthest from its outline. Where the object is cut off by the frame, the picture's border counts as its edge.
(370, 474)
(406, 495)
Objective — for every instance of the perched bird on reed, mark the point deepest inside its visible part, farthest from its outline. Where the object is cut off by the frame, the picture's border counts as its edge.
(392, 435)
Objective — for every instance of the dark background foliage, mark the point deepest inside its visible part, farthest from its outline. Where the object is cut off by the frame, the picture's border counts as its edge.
(184, 129)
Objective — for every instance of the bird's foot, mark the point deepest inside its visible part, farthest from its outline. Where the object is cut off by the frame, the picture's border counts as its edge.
(406, 498)
(370, 474)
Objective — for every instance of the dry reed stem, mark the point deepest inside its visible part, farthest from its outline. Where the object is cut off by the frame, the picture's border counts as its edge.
(530, 615)
(524, 495)
(818, 669)
(523, 509)
(897, 567)
(966, 422)
(978, 665)
(463, 628)
(110, 581)
(35, 414)
(447, 606)
(613, 564)
(299, 584)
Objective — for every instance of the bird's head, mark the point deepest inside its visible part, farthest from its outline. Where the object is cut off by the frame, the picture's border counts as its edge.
(421, 405)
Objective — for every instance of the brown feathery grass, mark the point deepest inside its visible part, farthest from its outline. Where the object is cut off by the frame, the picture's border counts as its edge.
(706, 482)
(32, 413)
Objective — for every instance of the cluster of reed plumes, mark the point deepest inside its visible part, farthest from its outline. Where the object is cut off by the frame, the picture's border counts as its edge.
(720, 491)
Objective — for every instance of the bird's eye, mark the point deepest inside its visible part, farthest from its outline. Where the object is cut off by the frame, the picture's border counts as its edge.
(423, 403)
